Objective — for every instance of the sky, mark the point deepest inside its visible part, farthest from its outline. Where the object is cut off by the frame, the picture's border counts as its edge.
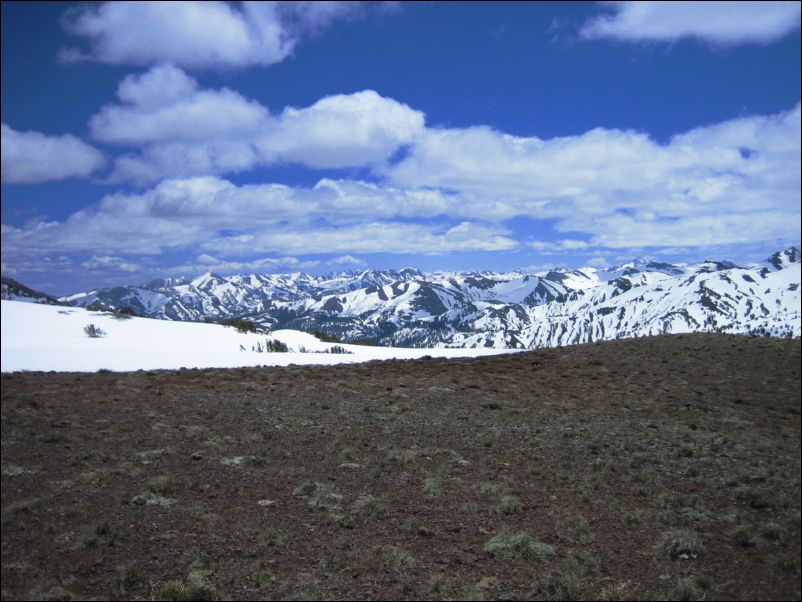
(145, 140)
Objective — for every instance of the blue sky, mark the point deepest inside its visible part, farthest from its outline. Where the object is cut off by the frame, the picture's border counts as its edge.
(157, 139)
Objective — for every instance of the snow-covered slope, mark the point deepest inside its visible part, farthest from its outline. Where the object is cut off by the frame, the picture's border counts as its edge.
(49, 337)
(735, 300)
(484, 309)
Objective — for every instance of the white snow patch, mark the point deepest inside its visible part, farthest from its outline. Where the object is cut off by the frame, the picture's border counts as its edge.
(48, 337)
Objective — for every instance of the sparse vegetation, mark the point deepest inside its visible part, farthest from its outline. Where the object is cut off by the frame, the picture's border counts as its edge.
(338, 349)
(178, 590)
(326, 338)
(680, 543)
(630, 471)
(509, 504)
(369, 507)
(241, 324)
(272, 345)
(685, 589)
(319, 495)
(744, 537)
(93, 332)
(392, 558)
(512, 545)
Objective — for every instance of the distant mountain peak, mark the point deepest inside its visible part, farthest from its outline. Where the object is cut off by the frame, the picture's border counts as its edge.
(10, 289)
(407, 307)
(786, 257)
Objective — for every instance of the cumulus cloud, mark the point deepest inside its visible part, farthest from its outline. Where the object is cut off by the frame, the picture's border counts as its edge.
(616, 185)
(164, 105)
(567, 244)
(724, 23)
(347, 260)
(219, 218)
(182, 130)
(32, 157)
(197, 35)
(737, 182)
(341, 131)
(110, 263)
(626, 231)
(210, 263)
(373, 237)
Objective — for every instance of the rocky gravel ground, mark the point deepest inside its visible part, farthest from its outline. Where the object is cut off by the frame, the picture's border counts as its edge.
(654, 468)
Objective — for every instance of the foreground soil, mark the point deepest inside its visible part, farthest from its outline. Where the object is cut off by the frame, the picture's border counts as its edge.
(653, 468)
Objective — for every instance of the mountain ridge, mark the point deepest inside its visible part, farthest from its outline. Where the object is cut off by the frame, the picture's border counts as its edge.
(514, 309)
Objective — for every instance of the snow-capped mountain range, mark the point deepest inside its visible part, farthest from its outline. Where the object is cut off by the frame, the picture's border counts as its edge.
(485, 309)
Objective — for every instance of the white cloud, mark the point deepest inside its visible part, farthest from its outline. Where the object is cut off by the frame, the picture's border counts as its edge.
(599, 262)
(164, 105)
(184, 131)
(183, 160)
(556, 246)
(347, 200)
(725, 23)
(347, 260)
(110, 263)
(622, 231)
(341, 131)
(372, 237)
(197, 34)
(209, 263)
(218, 218)
(737, 182)
(609, 183)
(159, 87)
(31, 157)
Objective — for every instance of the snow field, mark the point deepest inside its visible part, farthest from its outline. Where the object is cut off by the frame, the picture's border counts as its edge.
(49, 337)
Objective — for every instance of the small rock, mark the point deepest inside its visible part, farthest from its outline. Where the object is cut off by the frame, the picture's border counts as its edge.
(233, 461)
(266, 503)
(487, 583)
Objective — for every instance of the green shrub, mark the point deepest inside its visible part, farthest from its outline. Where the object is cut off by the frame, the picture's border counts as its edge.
(393, 558)
(744, 537)
(433, 485)
(275, 346)
(241, 325)
(338, 349)
(562, 586)
(163, 484)
(178, 590)
(319, 495)
(771, 531)
(685, 589)
(509, 545)
(680, 543)
(509, 504)
(369, 506)
(326, 338)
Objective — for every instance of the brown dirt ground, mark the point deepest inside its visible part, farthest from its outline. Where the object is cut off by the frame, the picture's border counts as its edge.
(601, 450)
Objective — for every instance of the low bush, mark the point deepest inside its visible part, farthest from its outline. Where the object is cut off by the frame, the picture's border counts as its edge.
(337, 349)
(276, 346)
(94, 332)
(680, 543)
(509, 545)
(241, 325)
